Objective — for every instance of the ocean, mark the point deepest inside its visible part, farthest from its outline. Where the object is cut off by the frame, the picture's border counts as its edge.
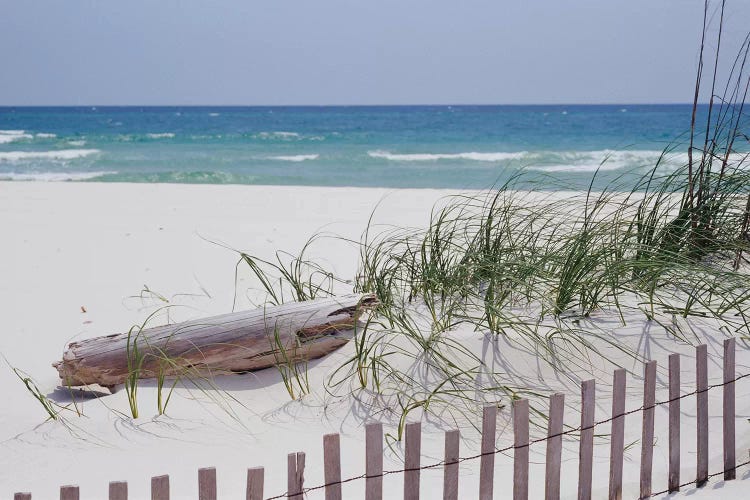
(460, 147)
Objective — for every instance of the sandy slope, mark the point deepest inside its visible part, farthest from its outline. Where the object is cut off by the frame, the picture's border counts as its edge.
(65, 246)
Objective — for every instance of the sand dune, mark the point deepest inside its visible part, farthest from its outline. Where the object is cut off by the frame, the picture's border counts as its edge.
(121, 251)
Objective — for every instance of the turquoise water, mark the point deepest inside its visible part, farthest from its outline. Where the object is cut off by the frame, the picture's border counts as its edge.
(404, 146)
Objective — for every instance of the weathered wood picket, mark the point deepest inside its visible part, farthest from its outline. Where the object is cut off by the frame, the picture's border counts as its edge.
(374, 473)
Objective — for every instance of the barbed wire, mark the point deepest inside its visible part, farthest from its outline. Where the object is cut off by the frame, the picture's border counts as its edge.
(533, 441)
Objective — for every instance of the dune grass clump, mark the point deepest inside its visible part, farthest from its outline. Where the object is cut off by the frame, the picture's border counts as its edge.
(531, 266)
(297, 280)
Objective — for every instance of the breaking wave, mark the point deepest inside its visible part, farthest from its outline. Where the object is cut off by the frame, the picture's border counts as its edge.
(51, 176)
(498, 156)
(7, 136)
(62, 154)
(295, 158)
(551, 161)
(277, 135)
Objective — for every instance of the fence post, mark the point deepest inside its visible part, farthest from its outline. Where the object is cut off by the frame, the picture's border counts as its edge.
(520, 449)
(450, 470)
(586, 445)
(332, 466)
(617, 444)
(295, 468)
(160, 488)
(411, 460)
(118, 490)
(22, 496)
(674, 423)
(207, 484)
(374, 461)
(701, 382)
(647, 434)
(730, 463)
(554, 447)
(254, 484)
(487, 461)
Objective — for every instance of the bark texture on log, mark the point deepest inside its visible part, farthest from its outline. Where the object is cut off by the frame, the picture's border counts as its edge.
(230, 343)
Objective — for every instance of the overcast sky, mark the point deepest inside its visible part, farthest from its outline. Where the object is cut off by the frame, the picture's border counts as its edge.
(224, 52)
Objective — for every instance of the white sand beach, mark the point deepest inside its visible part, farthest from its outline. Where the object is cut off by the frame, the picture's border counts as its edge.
(79, 260)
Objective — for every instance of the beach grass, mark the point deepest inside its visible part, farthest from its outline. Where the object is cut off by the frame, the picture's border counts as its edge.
(49, 406)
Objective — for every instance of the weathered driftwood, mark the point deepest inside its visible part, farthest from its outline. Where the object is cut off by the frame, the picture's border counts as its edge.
(234, 342)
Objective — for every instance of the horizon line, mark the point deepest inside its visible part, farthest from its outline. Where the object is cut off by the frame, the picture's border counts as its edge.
(339, 105)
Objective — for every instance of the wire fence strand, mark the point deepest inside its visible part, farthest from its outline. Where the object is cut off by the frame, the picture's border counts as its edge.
(688, 483)
(533, 441)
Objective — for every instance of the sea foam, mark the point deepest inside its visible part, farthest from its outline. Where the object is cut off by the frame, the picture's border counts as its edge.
(7, 136)
(295, 158)
(592, 161)
(552, 161)
(497, 156)
(277, 135)
(52, 176)
(63, 154)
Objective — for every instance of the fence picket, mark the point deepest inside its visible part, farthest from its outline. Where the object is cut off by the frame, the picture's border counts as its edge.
(295, 468)
(617, 443)
(487, 461)
(673, 482)
(118, 490)
(554, 447)
(254, 483)
(586, 445)
(701, 386)
(69, 493)
(647, 434)
(160, 488)
(374, 461)
(730, 462)
(207, 484)
(332, 466)
(520, 449)
(411, 460)
(450, 470)
(22, 496)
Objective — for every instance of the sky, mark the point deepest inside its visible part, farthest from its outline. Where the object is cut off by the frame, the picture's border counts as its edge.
(353, 52)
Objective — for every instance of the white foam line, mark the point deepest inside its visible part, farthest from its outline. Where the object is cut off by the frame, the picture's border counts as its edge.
(52, 176)
(496, 156)
(63, 154)
(277, 135)
(8, 136)
(295, 158)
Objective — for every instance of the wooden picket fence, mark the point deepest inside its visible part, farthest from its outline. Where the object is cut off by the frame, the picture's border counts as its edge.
(374, 472)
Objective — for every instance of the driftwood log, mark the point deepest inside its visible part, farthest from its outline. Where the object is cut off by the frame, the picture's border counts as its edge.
(230, 343)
